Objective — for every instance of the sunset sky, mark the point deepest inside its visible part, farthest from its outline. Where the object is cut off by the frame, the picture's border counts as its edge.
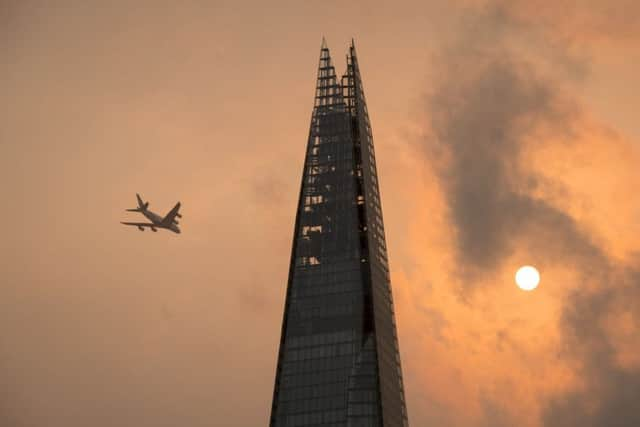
(506, 133)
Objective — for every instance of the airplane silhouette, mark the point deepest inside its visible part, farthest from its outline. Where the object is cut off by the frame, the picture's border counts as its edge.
(168, 222)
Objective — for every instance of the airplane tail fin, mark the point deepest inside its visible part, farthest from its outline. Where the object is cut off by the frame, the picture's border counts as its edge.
(141, 205)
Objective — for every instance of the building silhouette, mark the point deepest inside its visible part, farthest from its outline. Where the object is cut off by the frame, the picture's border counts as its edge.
(338, 363)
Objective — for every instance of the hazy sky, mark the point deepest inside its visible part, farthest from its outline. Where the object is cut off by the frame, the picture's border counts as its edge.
(506, 134)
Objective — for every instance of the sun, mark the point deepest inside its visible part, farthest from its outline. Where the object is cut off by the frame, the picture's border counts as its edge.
(527, 278)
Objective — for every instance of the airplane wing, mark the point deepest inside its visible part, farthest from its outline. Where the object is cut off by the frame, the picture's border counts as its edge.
(139, 224)
(168, 220)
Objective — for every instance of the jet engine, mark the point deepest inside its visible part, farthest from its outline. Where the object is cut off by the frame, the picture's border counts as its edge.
(179, 216)
(154, 229)
(140, 228)
(175, 222)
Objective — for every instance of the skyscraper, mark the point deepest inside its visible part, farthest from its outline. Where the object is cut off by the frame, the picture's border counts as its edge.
(338, 363)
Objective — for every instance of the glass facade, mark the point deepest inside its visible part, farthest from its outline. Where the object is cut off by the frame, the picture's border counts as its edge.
(338, 363)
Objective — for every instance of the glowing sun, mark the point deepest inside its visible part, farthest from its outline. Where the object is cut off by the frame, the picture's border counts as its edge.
(527, 278)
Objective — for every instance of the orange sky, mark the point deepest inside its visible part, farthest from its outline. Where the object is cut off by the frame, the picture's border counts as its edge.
(506, 134)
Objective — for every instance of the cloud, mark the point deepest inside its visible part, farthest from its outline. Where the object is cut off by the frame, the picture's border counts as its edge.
(491, 105)
(486, 102)
(610, 395)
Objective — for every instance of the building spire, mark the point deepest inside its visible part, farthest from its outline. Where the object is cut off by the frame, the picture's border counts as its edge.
(328, 88)
(352, 55)
(352, 83)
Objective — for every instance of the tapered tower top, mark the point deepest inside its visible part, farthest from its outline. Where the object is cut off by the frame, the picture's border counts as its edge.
(328, 89)
(338, 360)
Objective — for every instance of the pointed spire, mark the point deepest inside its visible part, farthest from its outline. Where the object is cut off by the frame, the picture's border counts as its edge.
(352, 83)
(324, 53)
(352, 50)
(328, 89)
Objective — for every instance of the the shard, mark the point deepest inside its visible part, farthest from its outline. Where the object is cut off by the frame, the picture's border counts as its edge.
(338, 363)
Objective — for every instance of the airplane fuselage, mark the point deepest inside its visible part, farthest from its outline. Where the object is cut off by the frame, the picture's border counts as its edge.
(157, 221)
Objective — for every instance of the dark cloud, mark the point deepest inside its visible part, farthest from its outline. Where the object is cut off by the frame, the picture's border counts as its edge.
(488, 103)
(496, 415)
(611, 394)
(487, 100)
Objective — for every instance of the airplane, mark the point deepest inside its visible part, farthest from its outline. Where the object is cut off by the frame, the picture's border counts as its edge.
(168, 222)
